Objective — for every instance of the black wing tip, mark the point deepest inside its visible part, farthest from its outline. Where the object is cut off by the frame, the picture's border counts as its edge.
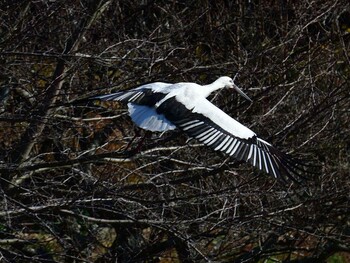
(286, 166)
(298, 170)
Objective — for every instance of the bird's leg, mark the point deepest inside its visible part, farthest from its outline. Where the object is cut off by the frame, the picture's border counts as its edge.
(137, 149)
(137, 134)
(139, 145)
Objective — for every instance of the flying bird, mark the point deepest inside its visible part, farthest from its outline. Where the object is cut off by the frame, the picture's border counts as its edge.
(163, 106)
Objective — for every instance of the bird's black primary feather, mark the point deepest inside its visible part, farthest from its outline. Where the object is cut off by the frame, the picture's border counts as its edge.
(263, 156)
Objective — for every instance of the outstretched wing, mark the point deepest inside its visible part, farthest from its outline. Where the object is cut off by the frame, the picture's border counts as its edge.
(141, 103)
(147, 95)
(215, 128)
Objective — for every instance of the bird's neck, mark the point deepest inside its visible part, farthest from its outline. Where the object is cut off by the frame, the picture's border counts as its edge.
(208, 89)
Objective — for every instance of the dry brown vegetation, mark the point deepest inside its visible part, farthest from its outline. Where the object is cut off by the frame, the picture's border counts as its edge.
(71, 191)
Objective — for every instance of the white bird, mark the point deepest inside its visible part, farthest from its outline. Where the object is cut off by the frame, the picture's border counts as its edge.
(162, 106)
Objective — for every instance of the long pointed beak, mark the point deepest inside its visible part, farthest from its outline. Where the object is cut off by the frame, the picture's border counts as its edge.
(242, 93)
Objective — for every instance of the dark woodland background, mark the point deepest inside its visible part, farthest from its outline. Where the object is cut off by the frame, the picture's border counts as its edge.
(71, 190)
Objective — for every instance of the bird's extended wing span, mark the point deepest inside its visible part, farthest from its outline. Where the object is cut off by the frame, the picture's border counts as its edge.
(216, 129)
(162, 106)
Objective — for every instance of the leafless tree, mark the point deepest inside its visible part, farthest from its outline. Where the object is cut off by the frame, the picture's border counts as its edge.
(73, 187)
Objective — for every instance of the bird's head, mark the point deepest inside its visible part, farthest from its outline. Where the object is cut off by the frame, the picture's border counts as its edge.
(227, 82)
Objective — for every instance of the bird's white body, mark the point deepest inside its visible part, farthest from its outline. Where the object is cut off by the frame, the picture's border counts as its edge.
(193, 97)
(163, 106)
